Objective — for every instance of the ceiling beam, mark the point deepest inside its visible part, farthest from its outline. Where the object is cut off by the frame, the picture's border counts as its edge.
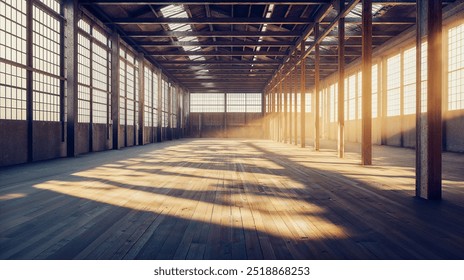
(210, 2)
(212, 20)
(243, 80)
(241, 34)
(187, 68)
(378, 20)
(220, 62)
(375, 34)
(215, 44)
(219, 53)
(229, 2)
(275, 21)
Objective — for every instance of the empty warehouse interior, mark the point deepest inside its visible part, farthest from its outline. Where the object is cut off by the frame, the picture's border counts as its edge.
(231, 129)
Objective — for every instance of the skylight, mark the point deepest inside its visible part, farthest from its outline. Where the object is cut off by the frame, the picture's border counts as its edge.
(356, 12)
(177, 11)
(263, 29)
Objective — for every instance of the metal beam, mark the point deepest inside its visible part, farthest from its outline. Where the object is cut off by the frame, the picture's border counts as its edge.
(221, 62)
(215, 44)
(71, 17)
(231, 2)
(377, 21)
(30, 77)
(210, 20)
(115, 84)
(210, 2)
(213, 68)
(241, 34)
(366, 142)
(218, 53)
(225, 74)
(256, 20)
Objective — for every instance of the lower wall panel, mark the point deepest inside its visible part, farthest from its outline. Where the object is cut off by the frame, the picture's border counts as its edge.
(47, 141)
(13, 142)
(83, 138)
(101, 138)
(454, 128)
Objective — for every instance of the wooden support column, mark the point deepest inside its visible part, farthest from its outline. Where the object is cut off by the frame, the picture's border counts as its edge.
(279, 111)
(317, 125)
(303, 97)
(271, 112)
(141, 94)
(295, 106)
(225, 116)
(290, 107)
(366, 142)
(285, 117)
(72, 18)
(264, 106)
(341, 83)
(429, 124)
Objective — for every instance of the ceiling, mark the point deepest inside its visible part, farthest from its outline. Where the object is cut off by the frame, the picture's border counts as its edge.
(238, 46)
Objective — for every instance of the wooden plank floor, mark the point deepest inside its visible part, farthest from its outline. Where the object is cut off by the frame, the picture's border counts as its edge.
(229, 199)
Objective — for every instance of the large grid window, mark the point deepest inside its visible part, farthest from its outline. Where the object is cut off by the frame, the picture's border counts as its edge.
(148, 97)
(155, 99)
(409, 81)
(122, 88)
(244, 102)
(13, 48)
(165, 103)
(101, 91)
(207, 102)
(46, 55)
(93, 74)
(236, 102)
(84, 74)
(456, 68)
(393, 85)
(128, 97)
(174, 107)
(350, 98)
(424, 77)
(375, 90)
(309, 102)
(254, 102)
(130, 90)
(333, 111)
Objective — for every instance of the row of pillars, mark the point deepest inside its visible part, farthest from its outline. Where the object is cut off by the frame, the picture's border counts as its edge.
(287, 84)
